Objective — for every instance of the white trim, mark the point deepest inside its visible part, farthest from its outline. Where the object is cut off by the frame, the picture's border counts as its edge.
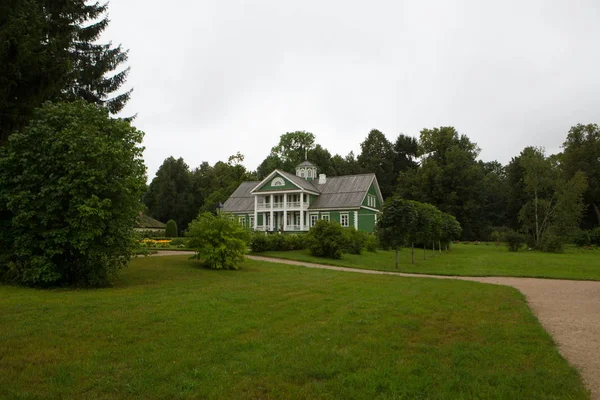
(270, 176)
(355, 220)
(334, 209)
(369, 208)
(347, 215)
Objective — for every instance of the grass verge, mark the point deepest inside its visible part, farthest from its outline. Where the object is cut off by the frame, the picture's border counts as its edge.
(170, 329)
(470, 260)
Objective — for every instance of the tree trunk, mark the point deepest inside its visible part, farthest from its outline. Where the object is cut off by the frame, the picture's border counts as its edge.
(424, 252)
(440, 246)
(412, 252)
(537, 225)
(433, 248)
(597, 210)
(396, 258)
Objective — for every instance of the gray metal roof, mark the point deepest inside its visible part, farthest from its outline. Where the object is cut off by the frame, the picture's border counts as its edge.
(342, 191)
(305, 164)
(338, 192)
(241, 200)
(303, 183)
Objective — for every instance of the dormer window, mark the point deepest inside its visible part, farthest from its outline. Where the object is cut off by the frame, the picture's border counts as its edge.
(309, 175)
(301, 173)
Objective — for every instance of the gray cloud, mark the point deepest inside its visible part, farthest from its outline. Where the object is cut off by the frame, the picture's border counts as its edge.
(213, 78)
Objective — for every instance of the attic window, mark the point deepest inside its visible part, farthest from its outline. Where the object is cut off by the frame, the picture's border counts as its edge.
(301, 173)
(309, 175)
(278, 182)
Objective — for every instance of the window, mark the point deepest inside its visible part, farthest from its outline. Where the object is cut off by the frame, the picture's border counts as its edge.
(251, 219)
(309, 173)
(313, 219)
(242, 221)
(278, 182)
(344, 220)
(301, 173)
(371, 201)
(325, 217)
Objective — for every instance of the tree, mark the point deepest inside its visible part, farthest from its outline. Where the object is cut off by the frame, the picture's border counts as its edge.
(71, 183)
(49, 52)
(406, 151)
(449, 178)
(377, 156)
(397, 224)
(554, 206)
(582, 153)
(218, 240)
(293, 147)
(170, 193)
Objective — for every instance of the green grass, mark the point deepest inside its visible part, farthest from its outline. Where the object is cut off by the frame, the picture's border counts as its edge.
(171, 329)
(470, 260)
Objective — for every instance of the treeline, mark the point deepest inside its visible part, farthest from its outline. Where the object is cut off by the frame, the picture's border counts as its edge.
(541, 195)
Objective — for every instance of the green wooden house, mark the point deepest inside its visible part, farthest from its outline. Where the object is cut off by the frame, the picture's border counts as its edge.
(284, 202)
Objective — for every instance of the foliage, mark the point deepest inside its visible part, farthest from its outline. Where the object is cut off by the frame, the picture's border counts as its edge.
(397, 224)
(261, 242)
(582, 238)
(179, 241)
(513, 239)
(171, 229)
(582, 153)
(553, 243)
(49, 52)
(355, 240)
(371, 244)
(326, 239)
(595, 236)
(71, 183)
(553, 203)
(449, 178)
(377, 156)
(218, 240)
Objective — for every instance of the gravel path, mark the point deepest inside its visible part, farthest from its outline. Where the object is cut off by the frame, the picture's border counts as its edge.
(569, 310)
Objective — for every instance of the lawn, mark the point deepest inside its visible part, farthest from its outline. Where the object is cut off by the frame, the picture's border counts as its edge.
(171, 329)
(470, 260)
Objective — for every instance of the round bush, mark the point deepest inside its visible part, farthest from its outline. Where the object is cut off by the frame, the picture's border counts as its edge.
(171, 229)
(514, 240)
(69, 200)
(326, 239)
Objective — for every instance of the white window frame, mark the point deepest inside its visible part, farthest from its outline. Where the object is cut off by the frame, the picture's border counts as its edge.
(325, 217)
(251, 219)
(347, 220)
(242, 221)
(371, 201)
(313, 221)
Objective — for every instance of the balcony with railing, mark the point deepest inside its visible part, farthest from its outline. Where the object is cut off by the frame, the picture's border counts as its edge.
(291, 205)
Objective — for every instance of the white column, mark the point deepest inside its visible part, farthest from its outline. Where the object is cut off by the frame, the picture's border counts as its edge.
(356, 220)
(285, 196)
(271, 220)
(301, 211)
(255, 212)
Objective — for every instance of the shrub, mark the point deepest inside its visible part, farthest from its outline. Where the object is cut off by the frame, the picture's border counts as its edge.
(582, 238)
(218, 240)
(354, 240)
(595, 236)
(552, 243)
(71, 183)
(259, 242)
(514, 240)
(326, 239)
(371, 243)
(294, 241)
(179, 242)
(171, 229)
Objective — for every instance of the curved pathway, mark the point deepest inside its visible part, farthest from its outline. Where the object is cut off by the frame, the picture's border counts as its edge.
(569, 310)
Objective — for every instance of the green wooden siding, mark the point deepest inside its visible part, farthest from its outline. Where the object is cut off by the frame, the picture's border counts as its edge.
(267, 186)
(366, 220)
(373, 192)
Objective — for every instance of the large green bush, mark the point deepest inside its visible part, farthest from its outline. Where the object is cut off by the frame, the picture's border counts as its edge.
(218, 240)
(261, 242)
(514, 240)
(70, 185)
(326, 239)
(595, 236)
(171, 229)
(355, 240)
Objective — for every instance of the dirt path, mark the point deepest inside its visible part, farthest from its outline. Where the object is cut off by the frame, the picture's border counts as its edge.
(569, 310)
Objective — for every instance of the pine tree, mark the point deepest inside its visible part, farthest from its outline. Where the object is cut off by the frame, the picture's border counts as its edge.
(49, 52)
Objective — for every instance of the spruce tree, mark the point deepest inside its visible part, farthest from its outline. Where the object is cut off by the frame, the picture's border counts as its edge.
(48, 52)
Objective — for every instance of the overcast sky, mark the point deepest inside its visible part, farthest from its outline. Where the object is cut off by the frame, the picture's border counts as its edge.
(212, 78)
